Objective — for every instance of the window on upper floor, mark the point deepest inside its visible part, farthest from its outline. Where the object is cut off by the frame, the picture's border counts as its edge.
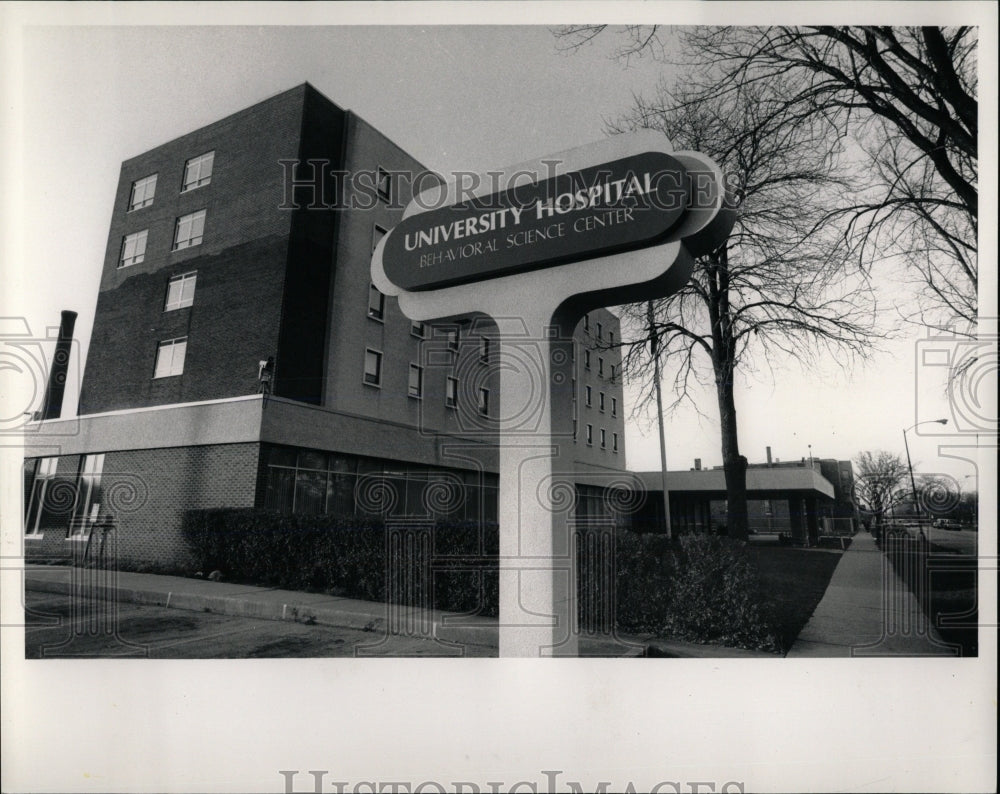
(142, 194)
(484, 402)
(189, 230)
(373, 367)
(600, 331)
(588, 392)
(451, 392)
(416, 385)
(590, 434)
(170, 356)
(376, 303)
(586, 359)
(604, 442)
(600, 401)
(384, 184)
(614, 406)
(180, 291)
(600, 365)
(198, 171)
(614, 442)
(133, 248)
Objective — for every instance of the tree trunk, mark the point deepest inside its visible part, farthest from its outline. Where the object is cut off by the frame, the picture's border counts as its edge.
(733, 462)
(724, 366)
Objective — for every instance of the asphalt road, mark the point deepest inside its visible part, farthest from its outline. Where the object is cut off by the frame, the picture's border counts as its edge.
(57, 628)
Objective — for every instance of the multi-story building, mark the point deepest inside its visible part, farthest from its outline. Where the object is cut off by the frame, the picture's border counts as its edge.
(240, 355)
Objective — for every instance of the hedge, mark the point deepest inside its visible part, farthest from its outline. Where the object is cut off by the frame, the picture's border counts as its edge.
(699, 588)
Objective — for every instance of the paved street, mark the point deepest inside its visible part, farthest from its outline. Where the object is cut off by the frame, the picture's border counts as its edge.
(58, 629)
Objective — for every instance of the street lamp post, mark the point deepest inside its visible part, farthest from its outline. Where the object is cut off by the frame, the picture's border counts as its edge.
(909, 464)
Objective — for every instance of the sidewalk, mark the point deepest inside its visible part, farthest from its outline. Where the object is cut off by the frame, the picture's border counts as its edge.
(867, 611)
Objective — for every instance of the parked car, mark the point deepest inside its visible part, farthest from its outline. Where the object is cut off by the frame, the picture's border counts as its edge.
(947, 523)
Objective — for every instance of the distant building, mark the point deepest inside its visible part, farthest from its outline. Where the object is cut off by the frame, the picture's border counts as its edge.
(802, 499)
(240, 355)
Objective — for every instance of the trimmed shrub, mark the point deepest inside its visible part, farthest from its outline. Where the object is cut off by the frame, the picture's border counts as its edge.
(716, 595)
(443, 565)
(699, 588)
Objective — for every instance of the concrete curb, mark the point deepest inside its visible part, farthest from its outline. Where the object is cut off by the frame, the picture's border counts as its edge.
(266, 604)
(448, 627)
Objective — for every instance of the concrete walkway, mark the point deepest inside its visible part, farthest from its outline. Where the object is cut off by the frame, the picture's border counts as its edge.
(868, 610)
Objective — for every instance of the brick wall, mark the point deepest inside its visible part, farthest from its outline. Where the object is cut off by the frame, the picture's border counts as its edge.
(148, 491)
(251, 261)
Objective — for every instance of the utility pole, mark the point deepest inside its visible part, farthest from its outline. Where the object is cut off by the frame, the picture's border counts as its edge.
(654, 352)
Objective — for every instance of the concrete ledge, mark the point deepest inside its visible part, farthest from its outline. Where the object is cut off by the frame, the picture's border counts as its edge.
(260, 603)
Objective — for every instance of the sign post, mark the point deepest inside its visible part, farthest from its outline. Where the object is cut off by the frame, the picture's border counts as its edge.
(535, 247)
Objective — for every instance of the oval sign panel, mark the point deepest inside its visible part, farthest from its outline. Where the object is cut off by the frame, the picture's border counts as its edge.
(617, 206)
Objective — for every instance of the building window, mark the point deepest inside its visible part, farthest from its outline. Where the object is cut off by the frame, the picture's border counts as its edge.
(451, 392)
(377, 234)
(614, 406)
(484, 402)
(416, 388)
(614, 442)
(198, 171)
(590, 435)
(574, 429)
(589, 396)
(376, 303)
(418, 329)
(384, 184)
(88, 496)
(180, 291)
(600, 366)
(600, 402)
(586, 359)
(600, 331)
(611, 337)
(133, 248)
(170, 357)
(604, 442)
(44, 476)
(484, 349)
(189, 230)
(586, 323)
(373, 367)
(143, 191)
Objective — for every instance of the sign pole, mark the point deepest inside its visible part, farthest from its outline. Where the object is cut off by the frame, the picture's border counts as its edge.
(538, 600)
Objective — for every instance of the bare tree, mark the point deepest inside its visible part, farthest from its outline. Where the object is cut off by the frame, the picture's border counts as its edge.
(905, 95)
(879, 480)
(781, 286)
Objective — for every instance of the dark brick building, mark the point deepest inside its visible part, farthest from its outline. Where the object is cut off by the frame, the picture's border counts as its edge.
(241, 357)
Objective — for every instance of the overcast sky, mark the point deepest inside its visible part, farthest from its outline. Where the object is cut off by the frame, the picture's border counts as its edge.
(456, 98)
